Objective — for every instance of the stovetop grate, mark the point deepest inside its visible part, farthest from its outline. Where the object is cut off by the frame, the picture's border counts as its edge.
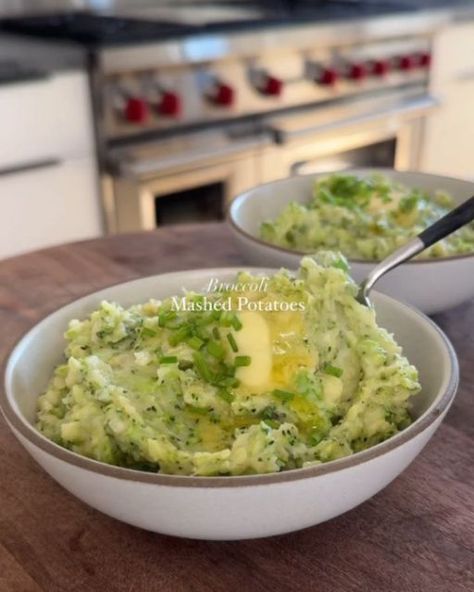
(91, 29)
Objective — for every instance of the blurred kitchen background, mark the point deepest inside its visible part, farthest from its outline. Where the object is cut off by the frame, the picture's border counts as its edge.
(121, 116)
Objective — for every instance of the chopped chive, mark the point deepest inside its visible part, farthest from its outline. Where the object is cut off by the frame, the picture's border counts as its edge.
(215, 333)
(272, 423)
(341, 264)
(242, 361)
(229, 381)
(199, 332)
(195, 342)
(227, 319)
(283, 395)
(233, 343)
(198, 410)
(215, 349)
(168, 360)
(166, 316)
(225, 395)
(179, 335)
(201, 367)
(147, 332)
(315, 437)
(332, 370)
(236, 323)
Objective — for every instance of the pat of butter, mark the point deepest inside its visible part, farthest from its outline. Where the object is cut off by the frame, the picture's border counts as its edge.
(254, 340)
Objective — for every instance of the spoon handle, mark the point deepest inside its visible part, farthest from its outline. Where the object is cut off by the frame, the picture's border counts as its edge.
(437, 231)
(449, 223)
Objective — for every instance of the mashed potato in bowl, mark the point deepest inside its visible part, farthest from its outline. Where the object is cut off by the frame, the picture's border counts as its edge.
(366, 218)
(258, 377)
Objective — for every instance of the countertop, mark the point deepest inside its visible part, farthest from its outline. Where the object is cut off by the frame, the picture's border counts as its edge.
(45, 56)
(417, 535)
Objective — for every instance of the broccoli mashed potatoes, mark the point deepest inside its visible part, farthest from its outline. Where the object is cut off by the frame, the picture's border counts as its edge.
(364, 219)
(208, 384)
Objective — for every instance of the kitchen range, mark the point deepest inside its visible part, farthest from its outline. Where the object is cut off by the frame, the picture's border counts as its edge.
(189, 113)
(171, 379)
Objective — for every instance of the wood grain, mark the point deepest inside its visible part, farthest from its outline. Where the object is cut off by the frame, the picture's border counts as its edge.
(415, 536)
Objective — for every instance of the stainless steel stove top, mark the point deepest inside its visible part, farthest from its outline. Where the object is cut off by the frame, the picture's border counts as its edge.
(191, 64)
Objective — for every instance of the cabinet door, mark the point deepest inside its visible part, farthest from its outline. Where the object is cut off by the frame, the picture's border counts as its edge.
(449, 134)
(449, 131)
(47, 118)
(48, 205)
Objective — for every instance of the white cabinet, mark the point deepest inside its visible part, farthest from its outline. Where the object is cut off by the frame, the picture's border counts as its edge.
(48, 205)
(48, 173)
(45, 118)
(448, 146)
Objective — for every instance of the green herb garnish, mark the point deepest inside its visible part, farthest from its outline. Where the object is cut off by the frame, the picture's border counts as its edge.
(215, 349)
(202, 367)
(284, 396)
(168, 360)
(332, 370)
(242, 361)
(147, 332)
(195, 342)
(233, 343)
(236, 323)
(225, 395)
(179, 335)
(165, 317)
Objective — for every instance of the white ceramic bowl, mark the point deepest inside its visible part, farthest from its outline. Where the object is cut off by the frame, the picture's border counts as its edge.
(225, 507)
(430, 285)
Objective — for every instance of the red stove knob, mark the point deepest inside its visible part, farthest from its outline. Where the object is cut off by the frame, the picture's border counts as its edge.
(328, 77)
(169, 104)
(357, 72)
(425, 59)
(407, 63)
(223, 95)
(136, 110)
(272, 86)
(380, 68)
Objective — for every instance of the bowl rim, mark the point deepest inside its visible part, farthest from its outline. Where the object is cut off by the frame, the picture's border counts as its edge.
(244, 195)
(20, 426)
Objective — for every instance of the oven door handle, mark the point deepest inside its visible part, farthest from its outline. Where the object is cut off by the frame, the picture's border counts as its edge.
(205, 156)
(394, 114)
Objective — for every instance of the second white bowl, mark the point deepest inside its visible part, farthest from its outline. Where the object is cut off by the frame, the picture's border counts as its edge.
(431, 285)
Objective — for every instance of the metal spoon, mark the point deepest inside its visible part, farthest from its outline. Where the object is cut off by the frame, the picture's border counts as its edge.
(443, 227)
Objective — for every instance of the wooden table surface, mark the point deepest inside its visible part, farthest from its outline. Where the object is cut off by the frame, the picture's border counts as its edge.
(416, 535)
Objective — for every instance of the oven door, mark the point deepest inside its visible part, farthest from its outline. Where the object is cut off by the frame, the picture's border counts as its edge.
(181, 180)
(373, 132)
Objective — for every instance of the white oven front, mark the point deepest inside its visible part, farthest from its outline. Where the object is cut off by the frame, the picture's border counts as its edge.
(193, 177)
(181, 180)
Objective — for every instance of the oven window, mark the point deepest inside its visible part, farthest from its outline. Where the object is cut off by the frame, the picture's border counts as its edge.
(199, 204)
(381, 154)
